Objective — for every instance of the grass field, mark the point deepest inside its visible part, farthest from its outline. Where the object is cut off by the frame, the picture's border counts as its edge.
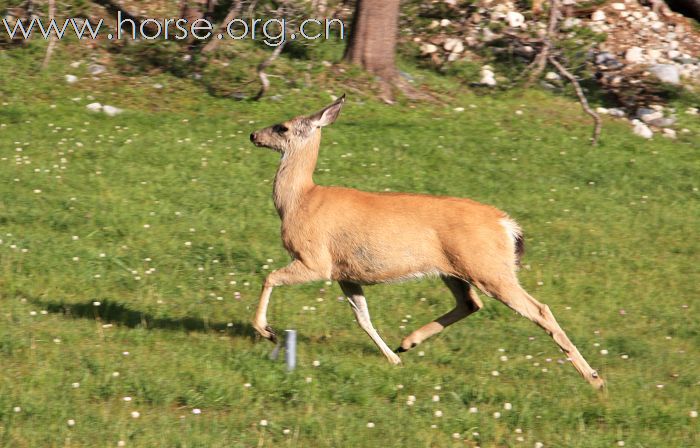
(133, 249)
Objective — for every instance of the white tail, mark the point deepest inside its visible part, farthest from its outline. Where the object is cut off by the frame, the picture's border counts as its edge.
(360, 238)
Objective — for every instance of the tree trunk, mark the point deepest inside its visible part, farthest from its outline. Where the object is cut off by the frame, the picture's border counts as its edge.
(373, 38)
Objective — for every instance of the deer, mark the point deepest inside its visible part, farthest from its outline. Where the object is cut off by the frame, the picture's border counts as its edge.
(359, 238)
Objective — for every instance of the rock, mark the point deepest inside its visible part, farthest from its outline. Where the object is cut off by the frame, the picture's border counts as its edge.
(111, 110)
(673, 45)
(616, 112)
(642, 130)
(666, 73)
(663, 122)
(552, 76)
(669, 133)
(71, 79)
(96, 69)
(691, 111)
(673, 54)
(94, 107)
(75, 64)
(570, 22)
(445, 22)
(598, 16)
(488, 35)
(428, 48)
(452, 57)
(515, 19)
(618, 6)
(158, 86)
(657, 26)
(653, 55)
(487, 77)
(634, 55)
(647, 115)
(453, 45)
(602, 110)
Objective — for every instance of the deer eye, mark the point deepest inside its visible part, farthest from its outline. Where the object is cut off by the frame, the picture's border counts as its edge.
(280, 128)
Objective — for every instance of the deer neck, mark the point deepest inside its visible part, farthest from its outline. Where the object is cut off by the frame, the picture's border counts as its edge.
(294, 177)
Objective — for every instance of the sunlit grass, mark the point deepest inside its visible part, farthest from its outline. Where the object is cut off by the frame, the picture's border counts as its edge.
(133, 249)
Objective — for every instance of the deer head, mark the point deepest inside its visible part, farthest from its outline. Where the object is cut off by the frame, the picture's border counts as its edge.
(297, 132)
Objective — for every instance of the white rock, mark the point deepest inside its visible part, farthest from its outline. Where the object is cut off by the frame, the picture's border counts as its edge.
(445, 22)
(96, 69)
(673, 45)
(643, 130)
(657, 26)
(673, 54)
(453, 57)
(669, 133)
(649, 117)
(111, 110)
(552, 76)
(666, 72)
(653, 54)
(71, 79)
(515, 19)
(616, 112)
(488, 77)
(94, 107)
(618, 6)
(454, 45)
(428, 48)
(75, 64)
(598, 16)
(602, 110)
(634, 55)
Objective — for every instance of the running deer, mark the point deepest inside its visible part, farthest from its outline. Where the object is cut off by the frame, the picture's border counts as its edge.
(358, 238)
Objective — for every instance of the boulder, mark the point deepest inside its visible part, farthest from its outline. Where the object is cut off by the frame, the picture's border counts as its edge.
(634, 55)
(668, 73)
(642, 130)
(515, 19)
(598, 16)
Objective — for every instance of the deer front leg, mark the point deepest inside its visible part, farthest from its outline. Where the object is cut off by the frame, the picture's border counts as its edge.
(359, 306)
(293, 274)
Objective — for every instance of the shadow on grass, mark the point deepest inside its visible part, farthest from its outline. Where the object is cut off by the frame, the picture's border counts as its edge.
(120, 314)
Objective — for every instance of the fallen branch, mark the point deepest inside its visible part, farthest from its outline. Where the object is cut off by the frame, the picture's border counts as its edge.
(261, 70)
(597, 124)
(540, 62)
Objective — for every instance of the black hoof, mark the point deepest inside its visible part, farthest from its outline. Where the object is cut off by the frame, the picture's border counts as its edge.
(273, 335)
(400, 350)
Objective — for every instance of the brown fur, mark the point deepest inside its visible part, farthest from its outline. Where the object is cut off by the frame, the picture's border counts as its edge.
(359, 238)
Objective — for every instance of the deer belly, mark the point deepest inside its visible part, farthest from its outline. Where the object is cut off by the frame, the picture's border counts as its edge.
(380, 263)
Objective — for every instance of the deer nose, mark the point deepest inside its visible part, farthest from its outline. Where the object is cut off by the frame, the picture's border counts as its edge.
(252, 137)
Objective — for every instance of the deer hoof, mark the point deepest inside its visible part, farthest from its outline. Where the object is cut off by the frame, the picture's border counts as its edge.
(271, 335)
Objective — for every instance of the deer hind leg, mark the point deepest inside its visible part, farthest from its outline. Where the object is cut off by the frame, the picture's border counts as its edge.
(359, 306)
(467, 303)
(515, 297)
(293, 274)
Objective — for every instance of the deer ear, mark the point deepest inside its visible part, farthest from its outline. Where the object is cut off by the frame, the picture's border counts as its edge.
(329, 114)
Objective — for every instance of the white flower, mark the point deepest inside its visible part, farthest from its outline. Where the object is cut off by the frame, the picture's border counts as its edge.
(603, 352)
(75, 385)
(71, 422)
(438, 413)
(17, 409)
(399, 386)
(693, 414)
(496, 414)
(196, 411)
(539, 445)
(115, 374)
(507, 406)
(370, 424)
(504, 358)
(436, 398)
(456, 435)
(495, 373)
(316, 363)
(286, 431)
(135, 414)
(247, 385)
(411, 398)
(263, 422)
(473, 410)
(126, 399)
(96, 303)
(620, 443)
(308, 379)
(121, 443)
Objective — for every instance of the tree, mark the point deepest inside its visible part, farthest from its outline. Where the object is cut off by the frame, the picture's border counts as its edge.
(373, 40)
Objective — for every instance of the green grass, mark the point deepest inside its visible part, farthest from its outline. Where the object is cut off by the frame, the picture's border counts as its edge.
(607, 229)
